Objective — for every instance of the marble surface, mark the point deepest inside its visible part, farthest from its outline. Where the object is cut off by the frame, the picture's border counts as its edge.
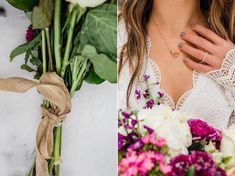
(89, 132)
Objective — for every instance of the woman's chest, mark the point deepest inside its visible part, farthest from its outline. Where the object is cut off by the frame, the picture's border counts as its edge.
(174, 77)
(205, 100)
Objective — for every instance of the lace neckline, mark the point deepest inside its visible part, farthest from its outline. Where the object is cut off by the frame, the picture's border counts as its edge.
(157, 73)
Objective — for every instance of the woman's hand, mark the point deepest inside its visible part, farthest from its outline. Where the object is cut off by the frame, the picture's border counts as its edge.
(208, 42)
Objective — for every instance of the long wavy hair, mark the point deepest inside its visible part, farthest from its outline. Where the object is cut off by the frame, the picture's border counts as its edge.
(136, 14)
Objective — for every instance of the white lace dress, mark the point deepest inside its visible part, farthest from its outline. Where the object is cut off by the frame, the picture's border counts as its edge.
(211, 98)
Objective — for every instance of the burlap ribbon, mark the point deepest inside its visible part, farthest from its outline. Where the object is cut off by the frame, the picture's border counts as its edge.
(52, 87)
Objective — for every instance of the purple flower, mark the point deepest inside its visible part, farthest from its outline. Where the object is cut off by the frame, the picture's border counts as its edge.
(160, 94)
(133, 122)
(202, 161)
(137, 94)
(149, 104)
(121, 139)
(132, 135)
(127, 126)
(180, 165)
(146, 77)
(126, 115)
(150, 130)
(30, 34)
(137, 144)
(146, 95)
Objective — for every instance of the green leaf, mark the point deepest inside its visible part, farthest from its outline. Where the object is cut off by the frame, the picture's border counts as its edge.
(42, 14)
(100, 30)
(93, 78)
(104, 67)
(190, 172)
(25, 47)
(197, 146)
(27, 68)
(35, 61)
(227, 159)
(25, 5)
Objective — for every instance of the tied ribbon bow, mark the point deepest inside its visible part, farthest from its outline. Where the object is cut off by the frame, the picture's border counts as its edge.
(53, 89)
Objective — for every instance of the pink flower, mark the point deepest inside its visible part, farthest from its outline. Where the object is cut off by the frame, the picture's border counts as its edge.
(165, 169)
(160, 142)
(149, 139)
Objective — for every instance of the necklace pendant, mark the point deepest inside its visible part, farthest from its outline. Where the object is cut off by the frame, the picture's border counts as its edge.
(174, 54)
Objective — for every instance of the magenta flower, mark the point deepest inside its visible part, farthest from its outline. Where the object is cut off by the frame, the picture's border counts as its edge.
(199, 128)
(180, 165)
(202, 131)
(202, 161)
(215, 171)
(30, 34)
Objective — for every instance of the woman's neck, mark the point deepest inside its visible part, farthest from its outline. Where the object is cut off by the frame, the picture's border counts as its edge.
(175, 15)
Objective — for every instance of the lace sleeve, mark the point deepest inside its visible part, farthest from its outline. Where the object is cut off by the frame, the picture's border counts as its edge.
(225, 77)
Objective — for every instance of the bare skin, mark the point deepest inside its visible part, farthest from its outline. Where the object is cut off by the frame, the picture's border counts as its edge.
(175, 19)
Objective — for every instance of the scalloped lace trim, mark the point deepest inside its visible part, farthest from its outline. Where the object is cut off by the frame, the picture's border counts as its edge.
(225, 76)
(167, 99)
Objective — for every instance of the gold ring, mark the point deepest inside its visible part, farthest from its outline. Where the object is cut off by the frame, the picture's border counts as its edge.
(204, 58)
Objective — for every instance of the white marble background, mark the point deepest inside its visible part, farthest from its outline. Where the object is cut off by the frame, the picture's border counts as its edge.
(89, 133)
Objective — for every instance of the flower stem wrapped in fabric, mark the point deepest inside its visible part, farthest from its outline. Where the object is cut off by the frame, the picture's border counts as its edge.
(77, 41)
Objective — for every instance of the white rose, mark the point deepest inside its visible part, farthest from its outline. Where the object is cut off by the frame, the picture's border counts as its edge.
(228, 144)
(167, 124)
(228, 141)
(87, 3)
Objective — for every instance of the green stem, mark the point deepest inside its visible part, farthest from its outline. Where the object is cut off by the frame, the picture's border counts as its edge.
(49, 50)
(69, 42)
(44, 52)
(78, 79)
(57, 35)
(57, 150)
(57, 48)
(32, 169)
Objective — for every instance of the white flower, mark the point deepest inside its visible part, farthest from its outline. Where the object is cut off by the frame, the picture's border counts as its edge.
(228, 144)
(87, 3)
(171, 125)
(228, 141)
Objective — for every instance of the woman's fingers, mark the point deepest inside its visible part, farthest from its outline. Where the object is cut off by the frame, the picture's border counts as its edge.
(207, 33)
(199, 41)
(198, 54)
(197, 66)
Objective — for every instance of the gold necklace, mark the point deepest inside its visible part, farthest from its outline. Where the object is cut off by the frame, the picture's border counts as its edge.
(174, 54)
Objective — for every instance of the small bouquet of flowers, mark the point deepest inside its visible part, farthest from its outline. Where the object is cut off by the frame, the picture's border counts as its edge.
(160, 141)
(67, 43)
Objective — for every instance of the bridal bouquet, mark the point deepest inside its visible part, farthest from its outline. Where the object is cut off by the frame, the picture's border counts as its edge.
(68, 42)
(160, 141)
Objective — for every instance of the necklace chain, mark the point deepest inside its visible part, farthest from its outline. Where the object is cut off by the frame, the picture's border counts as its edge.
(173, 53)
